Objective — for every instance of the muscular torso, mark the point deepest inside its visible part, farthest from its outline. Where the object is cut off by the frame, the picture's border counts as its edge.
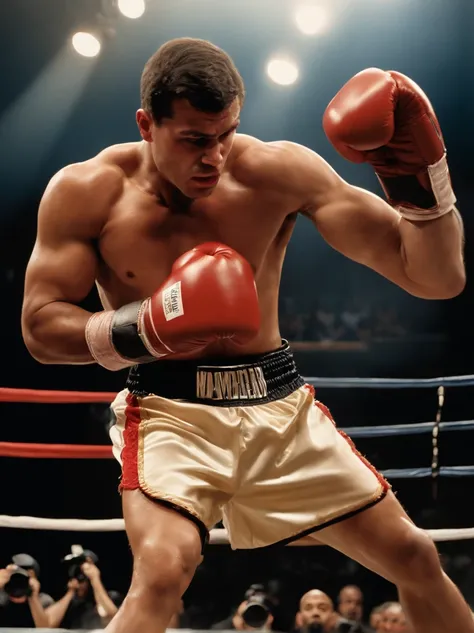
(141, 238)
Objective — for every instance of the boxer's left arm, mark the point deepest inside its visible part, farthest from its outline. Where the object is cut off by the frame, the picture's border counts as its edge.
(424, 258)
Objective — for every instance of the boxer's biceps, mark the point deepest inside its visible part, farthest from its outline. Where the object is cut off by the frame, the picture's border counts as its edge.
(65, 272)
(364, 228)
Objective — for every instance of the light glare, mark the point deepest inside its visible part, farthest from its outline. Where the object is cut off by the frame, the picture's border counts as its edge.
(312, 19)
(282, 71)
(86, 44)
(132, 9)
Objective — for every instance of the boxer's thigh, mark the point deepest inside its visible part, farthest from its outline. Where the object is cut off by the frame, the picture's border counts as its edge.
(167, 546)
(384, 539)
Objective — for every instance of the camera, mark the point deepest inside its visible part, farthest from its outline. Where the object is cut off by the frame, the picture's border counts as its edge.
(19, 584)
(76, 559)
(258, 607)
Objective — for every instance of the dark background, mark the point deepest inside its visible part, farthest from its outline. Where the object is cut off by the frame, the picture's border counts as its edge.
(57, 108)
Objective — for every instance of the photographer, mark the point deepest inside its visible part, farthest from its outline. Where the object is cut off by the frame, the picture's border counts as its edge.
(21, 602)
(86, 604)
(254, 613)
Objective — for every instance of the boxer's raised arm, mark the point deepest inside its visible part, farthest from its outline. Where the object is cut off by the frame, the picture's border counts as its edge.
(423, 258)
(62, 268)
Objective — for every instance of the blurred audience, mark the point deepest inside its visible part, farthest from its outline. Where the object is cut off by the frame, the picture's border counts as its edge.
(352, 321)
(88, 605)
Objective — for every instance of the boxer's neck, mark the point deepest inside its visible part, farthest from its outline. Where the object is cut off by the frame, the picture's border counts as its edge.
(151, 181)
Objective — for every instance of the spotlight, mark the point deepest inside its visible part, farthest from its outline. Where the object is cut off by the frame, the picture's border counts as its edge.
(86, 44)
(312, 19)
(282, 71)
(132, 8)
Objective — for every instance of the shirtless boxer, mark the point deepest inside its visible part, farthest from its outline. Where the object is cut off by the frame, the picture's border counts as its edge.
(184, 234)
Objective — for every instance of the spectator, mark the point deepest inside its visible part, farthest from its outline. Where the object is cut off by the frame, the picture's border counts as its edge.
(351, 603)
(21, 602)
(86, 603)
(317, 615)
(393, 619)
(375, 619)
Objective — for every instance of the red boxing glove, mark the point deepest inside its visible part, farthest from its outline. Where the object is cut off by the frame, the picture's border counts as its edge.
(209, 296)
(386, 120)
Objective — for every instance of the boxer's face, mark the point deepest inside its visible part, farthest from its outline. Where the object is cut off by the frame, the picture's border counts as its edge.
(191, 148)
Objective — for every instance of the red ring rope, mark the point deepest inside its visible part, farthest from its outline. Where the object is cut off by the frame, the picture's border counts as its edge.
(60, 451)
(46, 396)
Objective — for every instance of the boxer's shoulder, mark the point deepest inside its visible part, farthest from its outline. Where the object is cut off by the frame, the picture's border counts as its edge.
(282, 166)
(82, 194)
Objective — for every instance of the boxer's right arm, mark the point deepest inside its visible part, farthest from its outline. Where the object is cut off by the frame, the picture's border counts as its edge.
(209, 296)
(62, 268)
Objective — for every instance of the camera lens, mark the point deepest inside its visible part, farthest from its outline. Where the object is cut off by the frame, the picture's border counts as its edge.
(255, 613)
(19, 584)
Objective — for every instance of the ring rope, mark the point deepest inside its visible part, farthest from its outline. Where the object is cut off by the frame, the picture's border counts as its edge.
(218, 536)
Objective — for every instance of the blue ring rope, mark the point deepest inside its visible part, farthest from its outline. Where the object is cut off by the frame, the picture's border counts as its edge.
(392, 383)
(407, 429)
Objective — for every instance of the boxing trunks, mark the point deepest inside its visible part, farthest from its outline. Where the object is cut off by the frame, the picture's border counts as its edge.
(242, 439)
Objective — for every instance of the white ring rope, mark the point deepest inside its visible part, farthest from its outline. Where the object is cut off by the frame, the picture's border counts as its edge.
(217, 536)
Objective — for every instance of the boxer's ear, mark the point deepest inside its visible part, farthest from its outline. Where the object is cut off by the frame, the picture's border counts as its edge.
(145, 123)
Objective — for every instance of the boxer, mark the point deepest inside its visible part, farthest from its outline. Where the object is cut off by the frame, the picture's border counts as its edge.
(184, 233)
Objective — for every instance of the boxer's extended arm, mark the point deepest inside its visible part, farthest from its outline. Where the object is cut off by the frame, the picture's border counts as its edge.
(62, 268)
(423, 258)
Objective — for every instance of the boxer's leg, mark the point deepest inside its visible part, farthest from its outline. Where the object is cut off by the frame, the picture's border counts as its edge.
(167, 549)
(385, 540)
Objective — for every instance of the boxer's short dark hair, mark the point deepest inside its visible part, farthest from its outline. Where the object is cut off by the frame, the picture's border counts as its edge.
(191, 69)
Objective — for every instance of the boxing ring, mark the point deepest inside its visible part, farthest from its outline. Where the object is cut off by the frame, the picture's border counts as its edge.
(432, 430)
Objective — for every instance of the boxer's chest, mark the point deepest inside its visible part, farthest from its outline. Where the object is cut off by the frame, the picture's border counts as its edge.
(143, 238)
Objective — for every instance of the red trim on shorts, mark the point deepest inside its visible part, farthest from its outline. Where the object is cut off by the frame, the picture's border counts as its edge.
(129, 453)
(322, 407)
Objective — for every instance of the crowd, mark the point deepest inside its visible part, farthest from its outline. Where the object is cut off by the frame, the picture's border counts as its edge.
(331, 321)
(86, 604)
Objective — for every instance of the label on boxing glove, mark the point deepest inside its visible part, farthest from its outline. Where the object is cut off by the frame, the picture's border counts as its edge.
(172, 301)
(442, 191)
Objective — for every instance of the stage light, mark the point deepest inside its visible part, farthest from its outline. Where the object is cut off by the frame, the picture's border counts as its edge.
(312, 19)
(282, 71)
(132, 8)
(86, 44)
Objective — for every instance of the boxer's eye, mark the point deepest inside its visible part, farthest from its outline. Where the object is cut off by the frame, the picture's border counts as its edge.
(197, 142)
